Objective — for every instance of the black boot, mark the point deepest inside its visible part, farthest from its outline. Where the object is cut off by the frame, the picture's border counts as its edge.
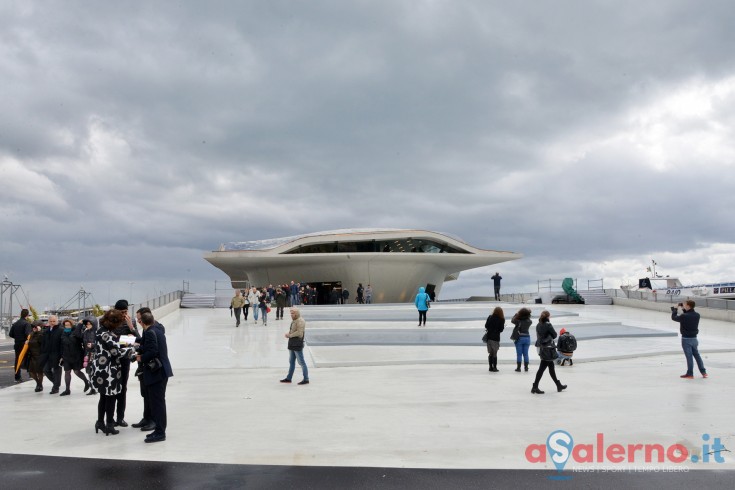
(490, 363)
(525, 366)
(518, 367)
(535, 389)
(110, 429)
(559, 386)
(495, 364)
(571, 363)
(99, 425)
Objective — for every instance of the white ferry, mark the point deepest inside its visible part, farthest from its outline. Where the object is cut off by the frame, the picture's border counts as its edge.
(672, 286)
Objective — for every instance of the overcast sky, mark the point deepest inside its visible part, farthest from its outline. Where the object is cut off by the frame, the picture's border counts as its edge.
(591, 136)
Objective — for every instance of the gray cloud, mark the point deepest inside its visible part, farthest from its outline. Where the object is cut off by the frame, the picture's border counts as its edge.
(137, 136)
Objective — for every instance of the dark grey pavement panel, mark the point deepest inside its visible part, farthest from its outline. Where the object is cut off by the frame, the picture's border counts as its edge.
(24, 472)
(462, 336)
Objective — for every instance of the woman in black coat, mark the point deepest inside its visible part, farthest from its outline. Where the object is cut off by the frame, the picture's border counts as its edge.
(35, 347)
(494, 324)
(545, 335)
(72, 355)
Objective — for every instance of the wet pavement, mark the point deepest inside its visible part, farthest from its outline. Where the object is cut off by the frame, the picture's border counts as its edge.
(382, 416)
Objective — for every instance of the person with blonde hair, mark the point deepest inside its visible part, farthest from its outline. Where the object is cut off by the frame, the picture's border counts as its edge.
(295, 338)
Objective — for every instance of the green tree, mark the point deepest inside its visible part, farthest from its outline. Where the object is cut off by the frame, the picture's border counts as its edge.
(97, 310)
(33, 311)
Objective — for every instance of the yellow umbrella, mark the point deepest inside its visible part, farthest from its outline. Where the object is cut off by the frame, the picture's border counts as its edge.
(22, 355)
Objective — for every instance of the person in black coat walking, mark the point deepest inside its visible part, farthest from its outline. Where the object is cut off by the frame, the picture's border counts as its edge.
(20, 331)
(153, 354)
(51, 353)
(545, 335)
(494, 324)
(72, 355)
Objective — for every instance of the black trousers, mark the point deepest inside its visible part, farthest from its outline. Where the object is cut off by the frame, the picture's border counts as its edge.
(237, 314)
(245, 312)
(422, 316)
(497, 292)
(53, 373)
(122, 397)
(541, 368)
(279, 312)
(146, 400)
(157, 400)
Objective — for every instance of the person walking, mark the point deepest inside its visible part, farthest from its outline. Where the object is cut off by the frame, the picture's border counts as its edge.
(545, 335)
(280, 303)
(368, 295)
(236, 304)
(153, 354)
(245, 306)
(494, 325)
(521, 337)
(51, 353)
(19, 332)
(422, 304)
(360, 293)
(89, 338)
(496, 285)
(253, 298)
(263, 304)
(107, 369)
(35, 366)
(72, 355)
(689, 329)
(295, 338)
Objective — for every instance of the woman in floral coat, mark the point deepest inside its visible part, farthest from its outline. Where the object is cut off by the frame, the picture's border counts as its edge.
(106, 372)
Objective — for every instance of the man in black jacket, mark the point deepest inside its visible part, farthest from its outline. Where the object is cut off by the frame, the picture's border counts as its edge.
(153, 354)
(20, 331)
(689, 328)
(127, 328)
(51, 353)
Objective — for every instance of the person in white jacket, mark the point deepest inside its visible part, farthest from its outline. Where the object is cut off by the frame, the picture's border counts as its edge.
(253, 299)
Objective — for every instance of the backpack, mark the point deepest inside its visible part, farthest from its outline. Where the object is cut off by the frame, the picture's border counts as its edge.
(567, 343)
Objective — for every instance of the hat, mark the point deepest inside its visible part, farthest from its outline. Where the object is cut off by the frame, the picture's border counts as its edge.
(562, 331)
(122, 304)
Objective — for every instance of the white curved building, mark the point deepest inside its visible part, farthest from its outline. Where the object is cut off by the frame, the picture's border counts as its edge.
(394, 262)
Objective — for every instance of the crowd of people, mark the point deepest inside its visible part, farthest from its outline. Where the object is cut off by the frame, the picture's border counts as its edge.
(105, 349)
(261, 299)
(548, 351)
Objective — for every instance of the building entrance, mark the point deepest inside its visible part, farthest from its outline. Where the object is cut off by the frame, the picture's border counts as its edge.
(327, 293)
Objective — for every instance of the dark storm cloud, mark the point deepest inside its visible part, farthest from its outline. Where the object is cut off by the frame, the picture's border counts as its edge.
(574, 132)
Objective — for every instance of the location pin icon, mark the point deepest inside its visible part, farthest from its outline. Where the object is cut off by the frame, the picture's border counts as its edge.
(559, 444)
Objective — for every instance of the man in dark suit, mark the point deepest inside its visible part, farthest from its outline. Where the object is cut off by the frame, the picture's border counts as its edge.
(51, 353)
(153, 354)
(146, 423)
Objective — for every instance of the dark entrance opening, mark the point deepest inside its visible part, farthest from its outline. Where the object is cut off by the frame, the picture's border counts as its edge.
(327, 293)
(430, 291)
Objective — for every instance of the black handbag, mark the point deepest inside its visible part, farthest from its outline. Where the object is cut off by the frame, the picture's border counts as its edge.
(515, 334)
(154, 364)
(296, 343)
(484, 338)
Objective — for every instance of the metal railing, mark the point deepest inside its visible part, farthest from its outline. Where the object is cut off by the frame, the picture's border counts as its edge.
(157, 302)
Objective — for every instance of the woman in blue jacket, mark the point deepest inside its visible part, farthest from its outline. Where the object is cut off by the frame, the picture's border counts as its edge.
(422, 304)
